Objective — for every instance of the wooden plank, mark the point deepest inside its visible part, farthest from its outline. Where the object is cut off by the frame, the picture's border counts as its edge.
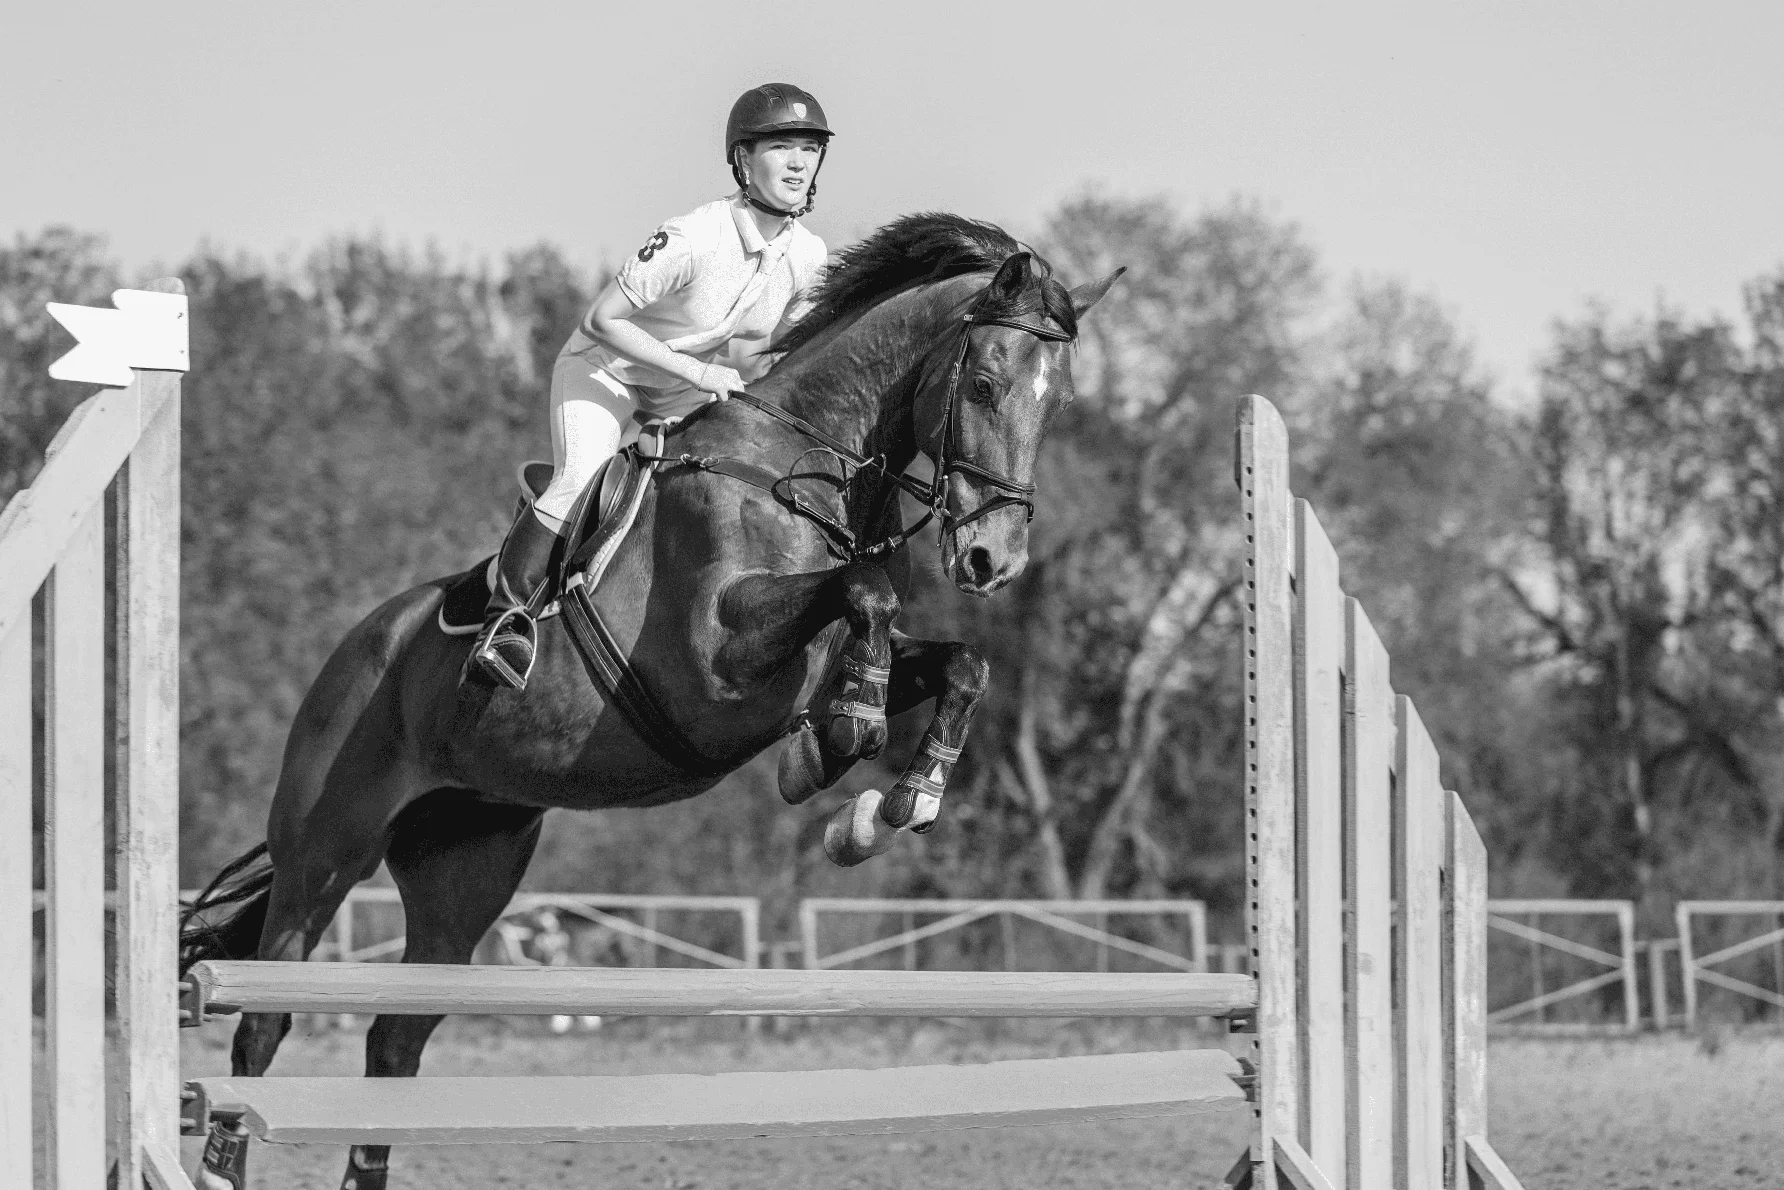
(1632, 1009)
(1465, 989)
(1299, 1169)
(145, 796)
(39, 522)
(74, 860)
(420, 988)
(1088, 908)
(161, 1168)
(15, 903)
(1556, 905)
(1370, 734)
(1319, 781)
(1687, 966)
(1485, 1164)
(730, 1106)
(1419, 805)
(1262, 463)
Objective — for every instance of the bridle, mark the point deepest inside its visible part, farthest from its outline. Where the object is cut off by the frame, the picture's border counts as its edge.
(946, 465)
(934, 494)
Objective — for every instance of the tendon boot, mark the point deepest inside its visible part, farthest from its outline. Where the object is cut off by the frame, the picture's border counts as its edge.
(225, 1162)
(503, 654)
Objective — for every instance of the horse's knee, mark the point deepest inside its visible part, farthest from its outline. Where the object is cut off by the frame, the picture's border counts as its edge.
(873, 602)
(967, 672)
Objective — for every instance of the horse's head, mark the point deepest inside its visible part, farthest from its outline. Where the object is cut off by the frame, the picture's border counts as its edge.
(1010, 376)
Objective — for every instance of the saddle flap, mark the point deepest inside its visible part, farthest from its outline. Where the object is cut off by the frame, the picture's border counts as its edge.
(534, 476)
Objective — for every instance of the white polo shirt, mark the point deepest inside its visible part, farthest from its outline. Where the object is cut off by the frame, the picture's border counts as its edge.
(708, 285)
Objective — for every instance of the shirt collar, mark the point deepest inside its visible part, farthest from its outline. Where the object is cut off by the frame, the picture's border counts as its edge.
(753, 242)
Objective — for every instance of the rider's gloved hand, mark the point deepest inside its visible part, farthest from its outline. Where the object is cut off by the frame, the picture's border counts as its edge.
(720, 381)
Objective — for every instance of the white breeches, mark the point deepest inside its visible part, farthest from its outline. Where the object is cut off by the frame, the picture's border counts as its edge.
(591, 418)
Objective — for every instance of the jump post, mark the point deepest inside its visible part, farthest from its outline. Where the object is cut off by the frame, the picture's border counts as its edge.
(1362, 1033)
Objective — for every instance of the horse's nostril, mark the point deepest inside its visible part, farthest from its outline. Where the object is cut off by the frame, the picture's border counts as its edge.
(978, 564)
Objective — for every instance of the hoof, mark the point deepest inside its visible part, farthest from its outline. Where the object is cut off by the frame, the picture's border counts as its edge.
(801, 768)
(857, 832)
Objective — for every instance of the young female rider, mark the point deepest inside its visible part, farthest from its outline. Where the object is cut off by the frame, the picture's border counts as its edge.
(688, 319)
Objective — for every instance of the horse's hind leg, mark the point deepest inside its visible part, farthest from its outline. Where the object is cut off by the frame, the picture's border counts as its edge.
(457, 862)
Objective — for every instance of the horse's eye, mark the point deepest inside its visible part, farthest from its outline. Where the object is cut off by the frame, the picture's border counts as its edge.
(982, 386)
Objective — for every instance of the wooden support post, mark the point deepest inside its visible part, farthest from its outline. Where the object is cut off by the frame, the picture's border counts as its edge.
(1319, 796)
(1420, 805)
(1368, 790)
(1465, 990)
(146, 794)
(1270, 868)
(17, 943)
(74, 858)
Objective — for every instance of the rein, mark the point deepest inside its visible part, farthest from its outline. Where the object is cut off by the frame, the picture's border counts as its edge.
(934, 495)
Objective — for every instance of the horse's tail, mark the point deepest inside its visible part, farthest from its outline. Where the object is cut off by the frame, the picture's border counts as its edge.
(243, 888)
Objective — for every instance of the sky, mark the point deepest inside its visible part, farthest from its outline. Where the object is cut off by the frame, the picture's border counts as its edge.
(1517, 161)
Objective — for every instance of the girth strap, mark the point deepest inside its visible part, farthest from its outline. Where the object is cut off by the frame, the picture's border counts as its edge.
(613, 673)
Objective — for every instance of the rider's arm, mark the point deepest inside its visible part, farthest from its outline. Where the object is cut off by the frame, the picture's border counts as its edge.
(609, 324)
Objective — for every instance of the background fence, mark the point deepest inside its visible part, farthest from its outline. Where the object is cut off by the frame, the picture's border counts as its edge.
(1554, 966)
(1037, 935)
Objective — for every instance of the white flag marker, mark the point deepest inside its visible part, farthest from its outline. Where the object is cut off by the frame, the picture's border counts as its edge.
(147, 330)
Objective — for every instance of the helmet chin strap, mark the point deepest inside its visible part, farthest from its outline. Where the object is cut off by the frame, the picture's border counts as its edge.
(750, 198)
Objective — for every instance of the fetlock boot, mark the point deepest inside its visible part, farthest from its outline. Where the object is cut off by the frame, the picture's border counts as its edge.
(503, 654)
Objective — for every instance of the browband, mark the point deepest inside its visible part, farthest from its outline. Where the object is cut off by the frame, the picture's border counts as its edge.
(1040, 330)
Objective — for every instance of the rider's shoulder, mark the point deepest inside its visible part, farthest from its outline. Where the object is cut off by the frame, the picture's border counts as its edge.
(699, 228)
(808, 253)
(707, 224)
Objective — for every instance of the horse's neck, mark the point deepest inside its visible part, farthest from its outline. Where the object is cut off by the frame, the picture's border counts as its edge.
(860, 384)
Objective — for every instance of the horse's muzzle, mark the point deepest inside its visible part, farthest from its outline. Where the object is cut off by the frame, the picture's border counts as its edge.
(981, 563)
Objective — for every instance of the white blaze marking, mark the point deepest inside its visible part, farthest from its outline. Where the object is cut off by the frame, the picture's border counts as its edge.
(1040, 380)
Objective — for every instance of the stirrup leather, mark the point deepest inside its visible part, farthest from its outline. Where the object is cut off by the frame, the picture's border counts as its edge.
(512, 627)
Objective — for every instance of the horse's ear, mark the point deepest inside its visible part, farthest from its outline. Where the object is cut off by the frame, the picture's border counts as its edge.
(1089, 294)
(1012, 281)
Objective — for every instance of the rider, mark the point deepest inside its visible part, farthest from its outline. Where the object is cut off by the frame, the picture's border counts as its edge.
(689, 319)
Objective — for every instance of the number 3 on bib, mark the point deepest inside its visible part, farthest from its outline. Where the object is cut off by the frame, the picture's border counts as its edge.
(652, 245)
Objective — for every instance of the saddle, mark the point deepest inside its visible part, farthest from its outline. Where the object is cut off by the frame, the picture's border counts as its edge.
(599, 522)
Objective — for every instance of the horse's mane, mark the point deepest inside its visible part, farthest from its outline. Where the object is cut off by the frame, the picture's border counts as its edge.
(921, 248)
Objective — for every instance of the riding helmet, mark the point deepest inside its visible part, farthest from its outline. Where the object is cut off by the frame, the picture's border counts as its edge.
(771, 108)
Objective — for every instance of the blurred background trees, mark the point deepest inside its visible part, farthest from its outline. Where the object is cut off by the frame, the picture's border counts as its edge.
(1585, 595)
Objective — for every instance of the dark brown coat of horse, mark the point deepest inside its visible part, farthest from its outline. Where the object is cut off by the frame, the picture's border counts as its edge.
(742, 617)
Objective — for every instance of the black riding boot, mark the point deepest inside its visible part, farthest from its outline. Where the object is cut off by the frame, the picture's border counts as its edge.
(503, 655)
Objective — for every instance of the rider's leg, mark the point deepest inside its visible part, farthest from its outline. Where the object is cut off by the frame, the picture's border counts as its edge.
(503, 654)
(589, 411)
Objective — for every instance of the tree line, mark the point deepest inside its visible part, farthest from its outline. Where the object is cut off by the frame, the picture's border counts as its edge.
(1584, 593)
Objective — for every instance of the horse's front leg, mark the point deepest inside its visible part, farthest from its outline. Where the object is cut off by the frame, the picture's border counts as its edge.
(955, 675)
(846, 719)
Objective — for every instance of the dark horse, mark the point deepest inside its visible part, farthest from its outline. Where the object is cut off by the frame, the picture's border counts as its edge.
(937, 335)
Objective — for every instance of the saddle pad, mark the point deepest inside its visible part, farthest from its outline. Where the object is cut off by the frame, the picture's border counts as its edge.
(467, 595)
